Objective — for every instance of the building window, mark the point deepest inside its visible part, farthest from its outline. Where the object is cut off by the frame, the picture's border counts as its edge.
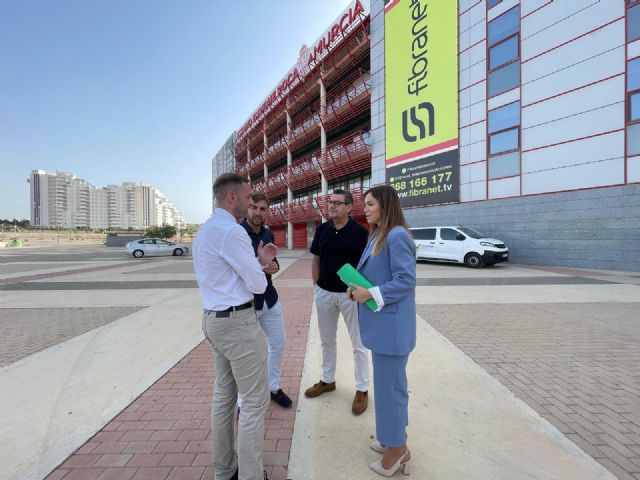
(504, 141)
(633, 21)
(633, 107)
(504, 52)
(493, 3)
(507, 165)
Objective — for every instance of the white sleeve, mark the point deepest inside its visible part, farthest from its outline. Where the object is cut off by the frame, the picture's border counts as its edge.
(377, 297)
(238, 251)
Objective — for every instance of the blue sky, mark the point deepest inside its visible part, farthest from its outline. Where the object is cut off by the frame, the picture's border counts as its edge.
(139, 90)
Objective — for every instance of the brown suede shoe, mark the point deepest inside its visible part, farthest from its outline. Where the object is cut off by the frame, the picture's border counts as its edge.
(360, 402)
(319, 388)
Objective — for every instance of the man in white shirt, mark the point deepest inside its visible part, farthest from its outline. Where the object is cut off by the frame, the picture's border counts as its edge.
(228, 275)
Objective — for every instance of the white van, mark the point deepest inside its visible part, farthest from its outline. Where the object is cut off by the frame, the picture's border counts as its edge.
(458, 244)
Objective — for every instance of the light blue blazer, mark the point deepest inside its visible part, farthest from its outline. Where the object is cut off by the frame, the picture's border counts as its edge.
(392, 330)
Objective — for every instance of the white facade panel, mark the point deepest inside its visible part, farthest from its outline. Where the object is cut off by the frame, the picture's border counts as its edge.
(528, 6)
(474, 74)
(633, 169)
(473, 96)
(475, 54)
(591, 122)
(592, 162)
(588, 150)
(473, 111)
(501, 8)
(465, 4)
(473, 14)
(593, 96)
(472, 26)
(575, 52)
(478, 191)
(476, 172)
(633, 50)
(511, 96)
(538, 86)
(504, 187)
(465, 192)
(473, 143)
(605, 173)
(565, 20)
(473, 152)
(472, 115)
(472, 134)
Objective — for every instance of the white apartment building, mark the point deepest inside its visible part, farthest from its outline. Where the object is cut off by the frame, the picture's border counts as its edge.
(63, 200)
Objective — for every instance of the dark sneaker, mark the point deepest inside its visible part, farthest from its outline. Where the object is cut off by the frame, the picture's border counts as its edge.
(281, 398)
(319, 388)
(265, 475)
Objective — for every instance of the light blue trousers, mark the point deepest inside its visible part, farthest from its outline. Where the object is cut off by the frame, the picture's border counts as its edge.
(391, 398)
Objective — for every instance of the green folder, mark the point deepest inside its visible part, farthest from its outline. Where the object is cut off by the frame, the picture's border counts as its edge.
(350, 275)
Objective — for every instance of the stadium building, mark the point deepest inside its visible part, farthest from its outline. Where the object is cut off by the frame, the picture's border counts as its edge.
(518, 118)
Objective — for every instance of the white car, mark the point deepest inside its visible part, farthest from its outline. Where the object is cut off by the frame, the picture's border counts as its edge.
(155, 246)
(458, 244)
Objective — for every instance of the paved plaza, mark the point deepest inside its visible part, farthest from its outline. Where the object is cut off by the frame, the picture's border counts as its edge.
(520, 372)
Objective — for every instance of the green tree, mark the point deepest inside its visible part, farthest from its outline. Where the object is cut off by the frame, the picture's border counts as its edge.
(165, 231)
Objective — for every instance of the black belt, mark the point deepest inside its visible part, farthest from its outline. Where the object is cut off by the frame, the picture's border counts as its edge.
(227, 312)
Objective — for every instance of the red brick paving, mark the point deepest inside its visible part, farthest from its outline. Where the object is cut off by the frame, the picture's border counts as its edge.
(165, 434)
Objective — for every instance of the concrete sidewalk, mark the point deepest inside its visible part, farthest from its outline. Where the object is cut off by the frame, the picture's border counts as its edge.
(480, 399)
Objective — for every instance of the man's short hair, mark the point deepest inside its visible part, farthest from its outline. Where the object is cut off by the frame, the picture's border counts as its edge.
(225, 182)
(348, 198)
(259, 197)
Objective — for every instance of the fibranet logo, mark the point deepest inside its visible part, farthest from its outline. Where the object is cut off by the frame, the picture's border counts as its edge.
(428, 106)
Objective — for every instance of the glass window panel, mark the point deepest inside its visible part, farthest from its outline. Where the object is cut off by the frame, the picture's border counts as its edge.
(634, 106)
(633, 75)
(504, 141)
(493, 3)
(504, 26)
(504, 117)
(504, 52)
(504, 79)
(448, 234)
(424, 234)
(633, 23)
(633, 139)
(504, 165)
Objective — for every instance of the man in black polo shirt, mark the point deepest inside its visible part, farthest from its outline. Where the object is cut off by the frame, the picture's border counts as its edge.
(267, 306)
(338, 241)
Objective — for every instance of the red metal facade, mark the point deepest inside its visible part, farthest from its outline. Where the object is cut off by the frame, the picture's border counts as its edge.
(267, 139)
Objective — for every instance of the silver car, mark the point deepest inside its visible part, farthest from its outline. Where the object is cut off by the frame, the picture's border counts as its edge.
(155, 246)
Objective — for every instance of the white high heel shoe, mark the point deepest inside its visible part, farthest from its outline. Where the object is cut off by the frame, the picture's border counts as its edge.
(388, 472)
(377, 447)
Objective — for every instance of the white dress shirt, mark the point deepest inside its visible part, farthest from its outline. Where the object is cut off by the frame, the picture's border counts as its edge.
(227, 270)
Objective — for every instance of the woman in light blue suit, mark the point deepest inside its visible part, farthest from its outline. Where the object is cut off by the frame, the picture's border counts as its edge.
(389, 262)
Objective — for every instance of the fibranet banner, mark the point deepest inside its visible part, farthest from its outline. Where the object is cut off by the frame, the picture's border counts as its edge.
(421, 96)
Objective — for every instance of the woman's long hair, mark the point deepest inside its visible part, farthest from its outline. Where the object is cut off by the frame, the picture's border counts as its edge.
(390, 214)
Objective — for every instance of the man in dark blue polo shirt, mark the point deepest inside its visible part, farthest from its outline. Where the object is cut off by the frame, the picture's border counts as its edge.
(338, 241)
(267, 306)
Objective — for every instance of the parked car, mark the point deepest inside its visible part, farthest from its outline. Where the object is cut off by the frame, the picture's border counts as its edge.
(458, 244)
(155, 246)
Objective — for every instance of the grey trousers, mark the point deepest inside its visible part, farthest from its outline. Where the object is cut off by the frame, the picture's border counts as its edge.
(240, 360)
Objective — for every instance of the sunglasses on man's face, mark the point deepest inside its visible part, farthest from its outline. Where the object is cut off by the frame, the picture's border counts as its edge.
(336, 203)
